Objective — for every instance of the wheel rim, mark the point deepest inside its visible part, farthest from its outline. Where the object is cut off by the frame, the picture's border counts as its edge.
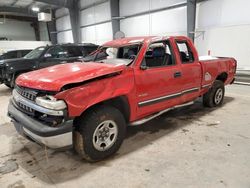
(218, 96)
(105, 135)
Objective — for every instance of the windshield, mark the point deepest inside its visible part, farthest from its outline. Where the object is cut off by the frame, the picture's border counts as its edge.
(105, 53)
(36, 53)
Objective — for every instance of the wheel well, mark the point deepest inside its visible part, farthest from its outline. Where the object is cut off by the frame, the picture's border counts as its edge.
(222, 77)
(121, 103)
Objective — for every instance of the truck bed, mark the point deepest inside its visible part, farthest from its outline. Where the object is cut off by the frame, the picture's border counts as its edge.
(213, 66)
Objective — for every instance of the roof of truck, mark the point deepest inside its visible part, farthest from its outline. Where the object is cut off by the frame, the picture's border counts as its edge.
(128, 40)
(141, 39)
(74, 44)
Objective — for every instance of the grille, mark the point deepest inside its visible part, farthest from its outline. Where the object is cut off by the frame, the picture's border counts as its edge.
(27, 99)
(26, 109)
(28, 94)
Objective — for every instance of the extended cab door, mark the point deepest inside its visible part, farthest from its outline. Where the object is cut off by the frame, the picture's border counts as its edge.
(190, 70)
(158, 79)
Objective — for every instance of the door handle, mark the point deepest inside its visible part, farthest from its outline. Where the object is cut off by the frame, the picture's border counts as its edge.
(177, 74)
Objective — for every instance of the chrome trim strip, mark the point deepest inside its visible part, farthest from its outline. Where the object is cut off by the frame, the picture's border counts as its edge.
(190, 90)
(207, 85)
(143, 103)
(18, 98)
(160, 98)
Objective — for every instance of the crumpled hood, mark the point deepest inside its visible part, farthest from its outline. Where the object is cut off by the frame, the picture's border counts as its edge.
(54, 78)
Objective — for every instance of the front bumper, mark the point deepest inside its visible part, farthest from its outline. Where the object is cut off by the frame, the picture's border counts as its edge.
(52, 137)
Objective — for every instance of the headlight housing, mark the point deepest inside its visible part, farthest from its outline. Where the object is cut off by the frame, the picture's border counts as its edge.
(51, 102)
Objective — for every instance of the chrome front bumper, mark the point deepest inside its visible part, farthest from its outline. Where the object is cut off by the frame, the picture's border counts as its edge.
(52, 137)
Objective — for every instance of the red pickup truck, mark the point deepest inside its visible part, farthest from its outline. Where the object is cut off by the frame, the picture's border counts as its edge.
(125, 82)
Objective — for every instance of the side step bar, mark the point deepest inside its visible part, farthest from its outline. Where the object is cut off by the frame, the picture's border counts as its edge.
(144, 120)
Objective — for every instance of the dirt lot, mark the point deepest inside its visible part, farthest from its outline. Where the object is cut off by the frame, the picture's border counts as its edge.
(188, 147)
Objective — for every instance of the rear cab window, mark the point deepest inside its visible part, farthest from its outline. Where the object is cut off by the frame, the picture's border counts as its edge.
(185, 52)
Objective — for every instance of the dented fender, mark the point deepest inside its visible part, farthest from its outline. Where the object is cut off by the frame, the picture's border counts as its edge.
(80, 98)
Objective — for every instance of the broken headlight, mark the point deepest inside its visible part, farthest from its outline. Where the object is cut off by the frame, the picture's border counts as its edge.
(51, 102)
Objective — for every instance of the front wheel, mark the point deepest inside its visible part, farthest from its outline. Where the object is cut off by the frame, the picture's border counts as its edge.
(215, 96)
(100, 133)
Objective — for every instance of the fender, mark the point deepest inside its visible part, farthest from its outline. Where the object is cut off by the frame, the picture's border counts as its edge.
(82, 97)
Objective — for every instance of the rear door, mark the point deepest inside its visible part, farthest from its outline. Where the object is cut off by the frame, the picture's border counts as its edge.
(158, 80)
(190, 70)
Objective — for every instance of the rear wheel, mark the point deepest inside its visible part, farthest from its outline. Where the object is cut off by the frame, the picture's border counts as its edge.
(214, 97)
(100, 133)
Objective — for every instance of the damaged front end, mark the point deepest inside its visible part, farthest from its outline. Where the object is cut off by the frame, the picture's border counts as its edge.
(41, 117)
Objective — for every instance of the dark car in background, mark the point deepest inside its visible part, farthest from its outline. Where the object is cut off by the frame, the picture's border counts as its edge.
(14, 54)
(42, 57)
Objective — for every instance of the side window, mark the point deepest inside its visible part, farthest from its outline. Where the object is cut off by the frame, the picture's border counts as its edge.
(185, 52)
(87, 50)
(19, 54)
(159, 54)
(56, 52)
(11, 55)
(23, 53)
(73, 51)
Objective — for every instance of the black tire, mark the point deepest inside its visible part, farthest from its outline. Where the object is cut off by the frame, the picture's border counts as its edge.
(86, 127)
(211, 99)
